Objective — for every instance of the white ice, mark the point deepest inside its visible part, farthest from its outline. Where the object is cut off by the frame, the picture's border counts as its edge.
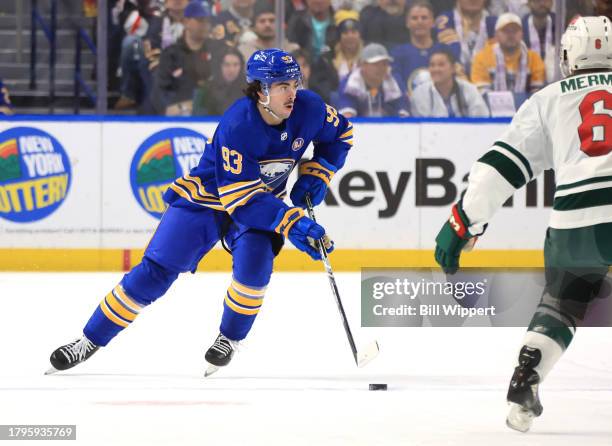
(294, 383)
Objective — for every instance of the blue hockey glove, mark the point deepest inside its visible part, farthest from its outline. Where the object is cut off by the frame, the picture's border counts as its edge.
(314, 179)
(303, 232)
(304, 235)
(452, 239)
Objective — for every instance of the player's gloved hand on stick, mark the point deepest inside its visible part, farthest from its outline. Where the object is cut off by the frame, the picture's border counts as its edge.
(304, 235)
(452, 239)
(314, 179)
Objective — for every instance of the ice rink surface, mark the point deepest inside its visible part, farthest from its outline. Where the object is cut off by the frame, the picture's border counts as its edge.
(293, 383)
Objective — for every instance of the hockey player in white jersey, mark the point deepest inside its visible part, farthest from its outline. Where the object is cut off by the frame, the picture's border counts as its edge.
(566, 126)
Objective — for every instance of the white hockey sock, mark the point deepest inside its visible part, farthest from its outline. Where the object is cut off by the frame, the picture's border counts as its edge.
(550, 349)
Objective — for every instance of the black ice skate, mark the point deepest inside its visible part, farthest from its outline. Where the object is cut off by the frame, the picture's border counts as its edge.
(69, 355)
(523, 391)
(219, 354)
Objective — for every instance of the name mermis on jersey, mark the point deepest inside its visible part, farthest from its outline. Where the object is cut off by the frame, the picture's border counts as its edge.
(35, 174)
(160, 159)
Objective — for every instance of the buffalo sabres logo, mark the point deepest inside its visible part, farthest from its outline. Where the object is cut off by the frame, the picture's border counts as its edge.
(287, 59)
(274, 172)
(283, 136)
(260, 56)
(297, 144)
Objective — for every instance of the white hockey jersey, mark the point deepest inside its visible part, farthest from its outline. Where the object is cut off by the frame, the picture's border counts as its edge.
(566, 126)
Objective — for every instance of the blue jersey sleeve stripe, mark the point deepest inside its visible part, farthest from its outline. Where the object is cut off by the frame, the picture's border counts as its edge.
(349, 132)
(201, 189)
(185, 193)
(232, 197)
(214, 204)
(234, 187)
(242, 200)
(194, 190)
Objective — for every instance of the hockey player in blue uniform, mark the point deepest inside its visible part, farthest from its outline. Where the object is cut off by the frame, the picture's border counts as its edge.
(234, 195)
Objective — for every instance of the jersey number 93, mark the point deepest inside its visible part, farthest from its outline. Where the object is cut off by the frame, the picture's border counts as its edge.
(232, 160)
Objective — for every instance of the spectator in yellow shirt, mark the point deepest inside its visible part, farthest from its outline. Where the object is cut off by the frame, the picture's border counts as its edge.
(508, 65)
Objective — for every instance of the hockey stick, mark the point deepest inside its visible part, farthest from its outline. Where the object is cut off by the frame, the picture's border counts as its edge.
(365, 356)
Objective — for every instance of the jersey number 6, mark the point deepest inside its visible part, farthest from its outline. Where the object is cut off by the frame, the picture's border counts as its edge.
(232, 161)
(596, 129)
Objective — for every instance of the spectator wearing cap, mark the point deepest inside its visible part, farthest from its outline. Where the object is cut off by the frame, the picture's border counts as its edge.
(468, 24)
(370, 90)
(383, 23)
(445, 95)
(6, 108)
(508, 65)
(347, 50)
(263, 34)
(334, 66)
(539, 33)
(410, 59)
(187, 64)
(225, 87)
(313, 29)
(231, 23)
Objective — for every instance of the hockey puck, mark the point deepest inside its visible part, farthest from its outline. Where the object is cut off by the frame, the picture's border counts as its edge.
(378, 387)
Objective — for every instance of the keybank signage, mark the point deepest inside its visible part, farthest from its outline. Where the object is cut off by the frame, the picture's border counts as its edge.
(431, 182)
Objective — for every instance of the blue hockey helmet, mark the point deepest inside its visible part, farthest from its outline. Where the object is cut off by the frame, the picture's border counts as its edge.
(272, 65)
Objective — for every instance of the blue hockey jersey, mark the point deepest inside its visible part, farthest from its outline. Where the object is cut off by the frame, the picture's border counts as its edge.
(411, 64)
(245, 167)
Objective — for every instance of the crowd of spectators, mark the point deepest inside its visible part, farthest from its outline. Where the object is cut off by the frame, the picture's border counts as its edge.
(440, 58)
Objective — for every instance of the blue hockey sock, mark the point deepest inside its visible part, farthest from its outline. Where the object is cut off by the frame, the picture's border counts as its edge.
(240, 308)
(116, 311)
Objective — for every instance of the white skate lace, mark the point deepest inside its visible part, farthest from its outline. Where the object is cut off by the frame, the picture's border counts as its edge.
(224, 345)
(77, 350)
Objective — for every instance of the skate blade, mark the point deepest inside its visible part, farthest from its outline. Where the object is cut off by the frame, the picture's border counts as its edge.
(519, 419)
(210, 370)
(51, 371)
(367, 355)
